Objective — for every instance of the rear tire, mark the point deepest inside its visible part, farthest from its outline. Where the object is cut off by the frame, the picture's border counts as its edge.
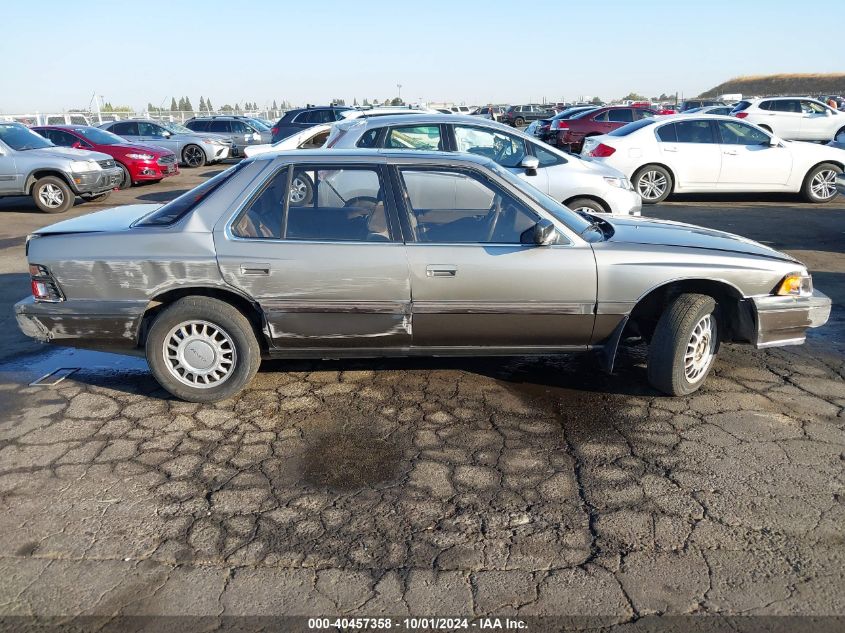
(518, 122)
(684, 345)
(193, 156)
(820, 183)
(51, 194)
(202, 349)
(653, 183)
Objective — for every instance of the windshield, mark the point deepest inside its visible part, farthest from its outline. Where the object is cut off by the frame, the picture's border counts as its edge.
(100, 137)
(625, 130)
(262, 127)
(177, 129)
(179, 207)
(560, 212)
(21, 138)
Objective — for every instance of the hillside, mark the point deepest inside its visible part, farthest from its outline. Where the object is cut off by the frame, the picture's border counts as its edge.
(784, 84)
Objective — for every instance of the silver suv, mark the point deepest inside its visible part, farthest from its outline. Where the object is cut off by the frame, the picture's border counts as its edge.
(244, 131)
(194, 149)
(30, 165)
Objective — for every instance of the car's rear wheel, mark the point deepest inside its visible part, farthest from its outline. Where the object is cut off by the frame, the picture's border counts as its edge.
(126, 181)
(202, 349)
(653, 183)
(518, 121)
(585, 204)
(51, 194)
(820, 183)
(301, 190)
(193, 156)
(684, 344)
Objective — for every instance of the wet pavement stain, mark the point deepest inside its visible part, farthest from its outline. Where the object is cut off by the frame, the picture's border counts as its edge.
(345, 461)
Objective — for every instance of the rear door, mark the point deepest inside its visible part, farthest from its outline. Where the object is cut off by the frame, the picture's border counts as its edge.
(783, 116)
(692, 151)
(477, 278)
(328, 272)
(749, 162)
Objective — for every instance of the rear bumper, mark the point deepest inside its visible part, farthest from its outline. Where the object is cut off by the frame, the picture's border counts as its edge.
(81, 323)
(785, 320)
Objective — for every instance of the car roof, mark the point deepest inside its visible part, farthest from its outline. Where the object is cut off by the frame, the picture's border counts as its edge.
(405, 156)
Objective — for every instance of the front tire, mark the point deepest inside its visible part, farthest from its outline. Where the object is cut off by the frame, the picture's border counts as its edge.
(51, 194)
(518, 122)
(653, 183)
(126, 181)
(202, 350)
(684, 345)
(820, 183)
(585, 204)
(301, 190)
(193, 156)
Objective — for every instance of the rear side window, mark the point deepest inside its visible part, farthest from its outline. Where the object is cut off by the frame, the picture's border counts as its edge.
(369, 139)
(178, 208)
(601, 117)
(126, 128)
(665, 133)
(694, 132)
(425, 137)
(624, 115)
(625, 130)
(784, 105)
(197, 126)
(218, 127)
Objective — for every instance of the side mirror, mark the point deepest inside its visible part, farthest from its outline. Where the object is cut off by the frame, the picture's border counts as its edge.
(77, 145)
(166, 134)
(544, 232)
(530, 165)
(774, 141)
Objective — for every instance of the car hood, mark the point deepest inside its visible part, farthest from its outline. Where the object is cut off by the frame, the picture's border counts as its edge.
(116, 219)
(68, 153)
(667, 233)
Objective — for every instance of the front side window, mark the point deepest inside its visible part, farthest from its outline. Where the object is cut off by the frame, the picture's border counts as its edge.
(239, 127)
(502, 148)
(694, 132)
(463, 208)
(150, 129)
(325, 203)
(601, 117)
(425, 137)
(734, 133)
(811, 107)
(546, 158)
(61, 138)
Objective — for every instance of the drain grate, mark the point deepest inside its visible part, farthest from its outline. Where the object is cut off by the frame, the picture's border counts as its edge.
(54, 377)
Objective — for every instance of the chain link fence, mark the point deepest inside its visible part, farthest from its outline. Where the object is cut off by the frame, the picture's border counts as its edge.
(95, 118)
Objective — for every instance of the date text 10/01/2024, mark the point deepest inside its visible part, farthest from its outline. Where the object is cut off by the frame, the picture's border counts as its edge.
(449, 624)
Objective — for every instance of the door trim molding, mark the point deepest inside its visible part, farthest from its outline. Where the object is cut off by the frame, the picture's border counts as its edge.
(501, 307)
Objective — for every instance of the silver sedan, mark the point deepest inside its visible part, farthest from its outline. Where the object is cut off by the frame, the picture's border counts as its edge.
(399, 253)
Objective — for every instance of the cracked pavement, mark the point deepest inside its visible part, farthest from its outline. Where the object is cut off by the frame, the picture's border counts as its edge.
(530, 487)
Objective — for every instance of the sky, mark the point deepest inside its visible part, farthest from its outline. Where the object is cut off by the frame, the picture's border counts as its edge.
(311, 51)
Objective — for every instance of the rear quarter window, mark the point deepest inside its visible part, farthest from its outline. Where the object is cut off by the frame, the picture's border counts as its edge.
(667, 133)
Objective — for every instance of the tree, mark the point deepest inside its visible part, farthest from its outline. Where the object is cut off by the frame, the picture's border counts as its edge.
(396, 101)
(596, 101)
(275, 107)
(633, 96)
(208, 106)
(366, 101)
(188, 106)
(202, 104)
(173, 105)
(355, 102)
(226, 108)
(664, 97)
(237, 108)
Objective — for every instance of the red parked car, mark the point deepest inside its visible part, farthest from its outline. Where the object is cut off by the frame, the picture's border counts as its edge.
(572, 132)
(140, 163)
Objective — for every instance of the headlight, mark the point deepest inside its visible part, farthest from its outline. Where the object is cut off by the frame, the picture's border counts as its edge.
(799, 284)
(140, 156)
(622, 183)
(212, 141)
(84, 165)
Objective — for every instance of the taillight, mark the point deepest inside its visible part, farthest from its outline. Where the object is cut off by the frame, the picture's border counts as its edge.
(560, 125)
(341, 133)
(44, 287)
(741, 115)
(274, 131)
(602, 151)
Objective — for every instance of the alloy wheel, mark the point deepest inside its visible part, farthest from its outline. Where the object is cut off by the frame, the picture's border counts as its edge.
(193, 156)
(700, 348)
(51, 196)
(298, 190)
(652, 185)
(823, 184)
(199, 354)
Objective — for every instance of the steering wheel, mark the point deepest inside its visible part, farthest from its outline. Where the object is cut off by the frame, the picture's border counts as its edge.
(492, 217)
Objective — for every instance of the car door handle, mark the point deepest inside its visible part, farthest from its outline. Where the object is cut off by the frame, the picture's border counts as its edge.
(255, 269)
(441, 270)
(670, 148)
(729, 152)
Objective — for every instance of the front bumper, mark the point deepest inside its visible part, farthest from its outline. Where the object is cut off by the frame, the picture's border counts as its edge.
(785, 320)
(94, 182)
(217, 153)
(81, 323)
(623, 201)
(153, 169)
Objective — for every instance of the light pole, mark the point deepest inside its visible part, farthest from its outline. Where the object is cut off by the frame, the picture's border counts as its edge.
(399, 87)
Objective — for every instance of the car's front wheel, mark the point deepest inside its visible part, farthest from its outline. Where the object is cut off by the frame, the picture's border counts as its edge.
(51, 194)
(586, 205)
(126, 179)
(518, 121)
(202, 349)
(193, 156)
(820, 183)
(653, 183)
(684, 344)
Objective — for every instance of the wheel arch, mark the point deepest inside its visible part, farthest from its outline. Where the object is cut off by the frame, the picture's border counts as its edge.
(588, 196)
(249, 308)
(37, 174)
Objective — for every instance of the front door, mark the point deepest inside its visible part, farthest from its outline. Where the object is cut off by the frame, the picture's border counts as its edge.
(749, 161)
(10, 179)
(318, 248)
(153, 134)
(477, 278)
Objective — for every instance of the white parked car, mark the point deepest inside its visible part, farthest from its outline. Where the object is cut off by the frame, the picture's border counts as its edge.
(792, 118)
(309, 138)
(705, 153)
(582, 185)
